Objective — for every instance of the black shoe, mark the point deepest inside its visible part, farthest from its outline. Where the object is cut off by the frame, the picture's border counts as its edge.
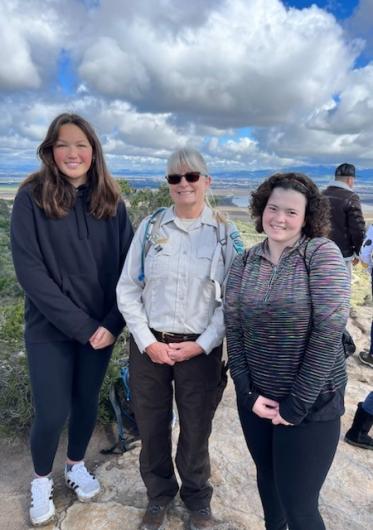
(358, 433)
(366, 358)
(361, 440)
(201, 519)
(154, 517)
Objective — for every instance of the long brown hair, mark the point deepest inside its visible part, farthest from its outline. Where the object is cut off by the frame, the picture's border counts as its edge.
(53, 192)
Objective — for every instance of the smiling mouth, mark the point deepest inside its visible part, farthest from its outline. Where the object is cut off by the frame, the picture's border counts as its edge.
(276, 227)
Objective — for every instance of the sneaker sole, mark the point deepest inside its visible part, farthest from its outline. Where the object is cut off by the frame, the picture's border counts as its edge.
(45, 522)
(356, 444)
(86, 498)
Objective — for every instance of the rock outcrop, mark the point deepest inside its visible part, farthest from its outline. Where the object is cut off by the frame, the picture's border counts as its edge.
(346, 499)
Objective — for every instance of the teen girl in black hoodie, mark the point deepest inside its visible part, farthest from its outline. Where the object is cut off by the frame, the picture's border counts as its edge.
(70, 234)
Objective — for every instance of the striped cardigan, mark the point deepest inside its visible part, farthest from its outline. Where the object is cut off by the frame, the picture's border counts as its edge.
(284, 328)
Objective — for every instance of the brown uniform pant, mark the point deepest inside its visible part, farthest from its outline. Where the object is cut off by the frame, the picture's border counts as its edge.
(199, 384)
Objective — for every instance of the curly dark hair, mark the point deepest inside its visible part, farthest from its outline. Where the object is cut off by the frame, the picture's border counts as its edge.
(54, 194)
(317, 216)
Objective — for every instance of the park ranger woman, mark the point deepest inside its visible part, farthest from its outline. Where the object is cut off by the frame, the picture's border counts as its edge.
(170, 296)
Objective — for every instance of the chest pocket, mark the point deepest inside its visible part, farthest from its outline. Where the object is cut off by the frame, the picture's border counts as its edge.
(161, 260)
(202, 261)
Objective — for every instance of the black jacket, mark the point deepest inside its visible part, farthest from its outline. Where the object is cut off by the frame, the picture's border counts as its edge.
(348, 226)
(68, 268)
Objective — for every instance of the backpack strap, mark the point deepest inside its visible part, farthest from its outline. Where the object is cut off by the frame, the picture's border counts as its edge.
(152, 225)
(307, 256)
(348, 343)
(221, 235)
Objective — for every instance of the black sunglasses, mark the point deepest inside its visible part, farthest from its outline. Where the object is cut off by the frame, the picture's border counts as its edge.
(191, 176)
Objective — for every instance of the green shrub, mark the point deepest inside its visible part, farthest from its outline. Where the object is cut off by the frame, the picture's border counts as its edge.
(15, 394)
(11, 324)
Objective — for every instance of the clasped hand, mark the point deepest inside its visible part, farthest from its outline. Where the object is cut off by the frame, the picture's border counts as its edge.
(269, 409)
(101, 338)
(175, 352)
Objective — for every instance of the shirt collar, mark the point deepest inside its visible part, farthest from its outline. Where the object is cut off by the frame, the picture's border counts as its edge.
(261, 248)
(207, 216)
(340, 184)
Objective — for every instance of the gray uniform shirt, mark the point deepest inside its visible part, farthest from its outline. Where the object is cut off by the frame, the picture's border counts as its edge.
(177, 294)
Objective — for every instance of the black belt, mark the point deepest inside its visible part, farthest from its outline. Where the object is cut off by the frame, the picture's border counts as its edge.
(164, 336)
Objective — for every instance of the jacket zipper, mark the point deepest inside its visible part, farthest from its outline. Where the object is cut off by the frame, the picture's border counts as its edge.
(271, 280)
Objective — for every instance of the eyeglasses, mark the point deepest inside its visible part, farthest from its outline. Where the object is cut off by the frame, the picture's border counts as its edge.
(192, 176)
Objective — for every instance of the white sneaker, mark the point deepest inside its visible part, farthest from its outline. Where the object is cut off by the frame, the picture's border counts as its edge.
(42, 509)
(85, 485)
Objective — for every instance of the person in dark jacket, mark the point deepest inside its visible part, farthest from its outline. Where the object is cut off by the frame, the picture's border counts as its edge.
(70, 234)
(347, 221)
(286, 306)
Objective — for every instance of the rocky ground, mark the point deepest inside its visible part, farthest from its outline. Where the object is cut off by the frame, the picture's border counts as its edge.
(346, 500)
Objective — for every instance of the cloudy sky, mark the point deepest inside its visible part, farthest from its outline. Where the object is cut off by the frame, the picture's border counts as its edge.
(253, 84)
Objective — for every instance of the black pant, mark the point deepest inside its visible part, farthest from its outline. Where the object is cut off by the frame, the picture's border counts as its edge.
(66, 378)
(292, 463)
(198, 386)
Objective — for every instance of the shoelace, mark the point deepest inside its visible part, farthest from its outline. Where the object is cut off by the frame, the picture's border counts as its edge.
(39, 492)
(81, 474)
(204, 511)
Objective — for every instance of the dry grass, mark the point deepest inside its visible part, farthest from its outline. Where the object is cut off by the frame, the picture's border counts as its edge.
(361, 293)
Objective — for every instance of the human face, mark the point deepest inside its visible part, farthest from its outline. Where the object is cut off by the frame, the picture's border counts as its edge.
(189, 197)
(72, 154)
(284, 217)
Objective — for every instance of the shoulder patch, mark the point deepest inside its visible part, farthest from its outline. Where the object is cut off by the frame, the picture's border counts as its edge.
(237, 242)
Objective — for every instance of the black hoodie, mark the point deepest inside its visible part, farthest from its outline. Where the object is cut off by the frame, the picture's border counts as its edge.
(68, 268)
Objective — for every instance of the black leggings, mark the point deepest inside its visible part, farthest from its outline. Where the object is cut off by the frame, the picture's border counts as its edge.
(66, 378)
(292, 463)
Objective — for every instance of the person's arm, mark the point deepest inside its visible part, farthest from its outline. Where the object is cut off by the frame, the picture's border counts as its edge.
(213, 335)
(366, 251)
(129, 299)
(34, 278)
(330, 296)
(355, 222)
(114, 321)
(129, 292)
(237, 364)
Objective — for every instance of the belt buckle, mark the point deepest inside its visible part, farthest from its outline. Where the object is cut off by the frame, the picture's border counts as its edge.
(166, 335)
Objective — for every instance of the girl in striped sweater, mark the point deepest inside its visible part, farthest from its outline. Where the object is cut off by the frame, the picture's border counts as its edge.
(286, 306)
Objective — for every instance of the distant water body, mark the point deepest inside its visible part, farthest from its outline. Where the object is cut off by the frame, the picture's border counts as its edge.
(236, 186)
(239, 189)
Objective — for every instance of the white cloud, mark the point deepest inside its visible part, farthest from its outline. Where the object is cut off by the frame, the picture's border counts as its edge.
(153, 76)
(246, 63)
(122, 73)
(17, 69)
(360, 24)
